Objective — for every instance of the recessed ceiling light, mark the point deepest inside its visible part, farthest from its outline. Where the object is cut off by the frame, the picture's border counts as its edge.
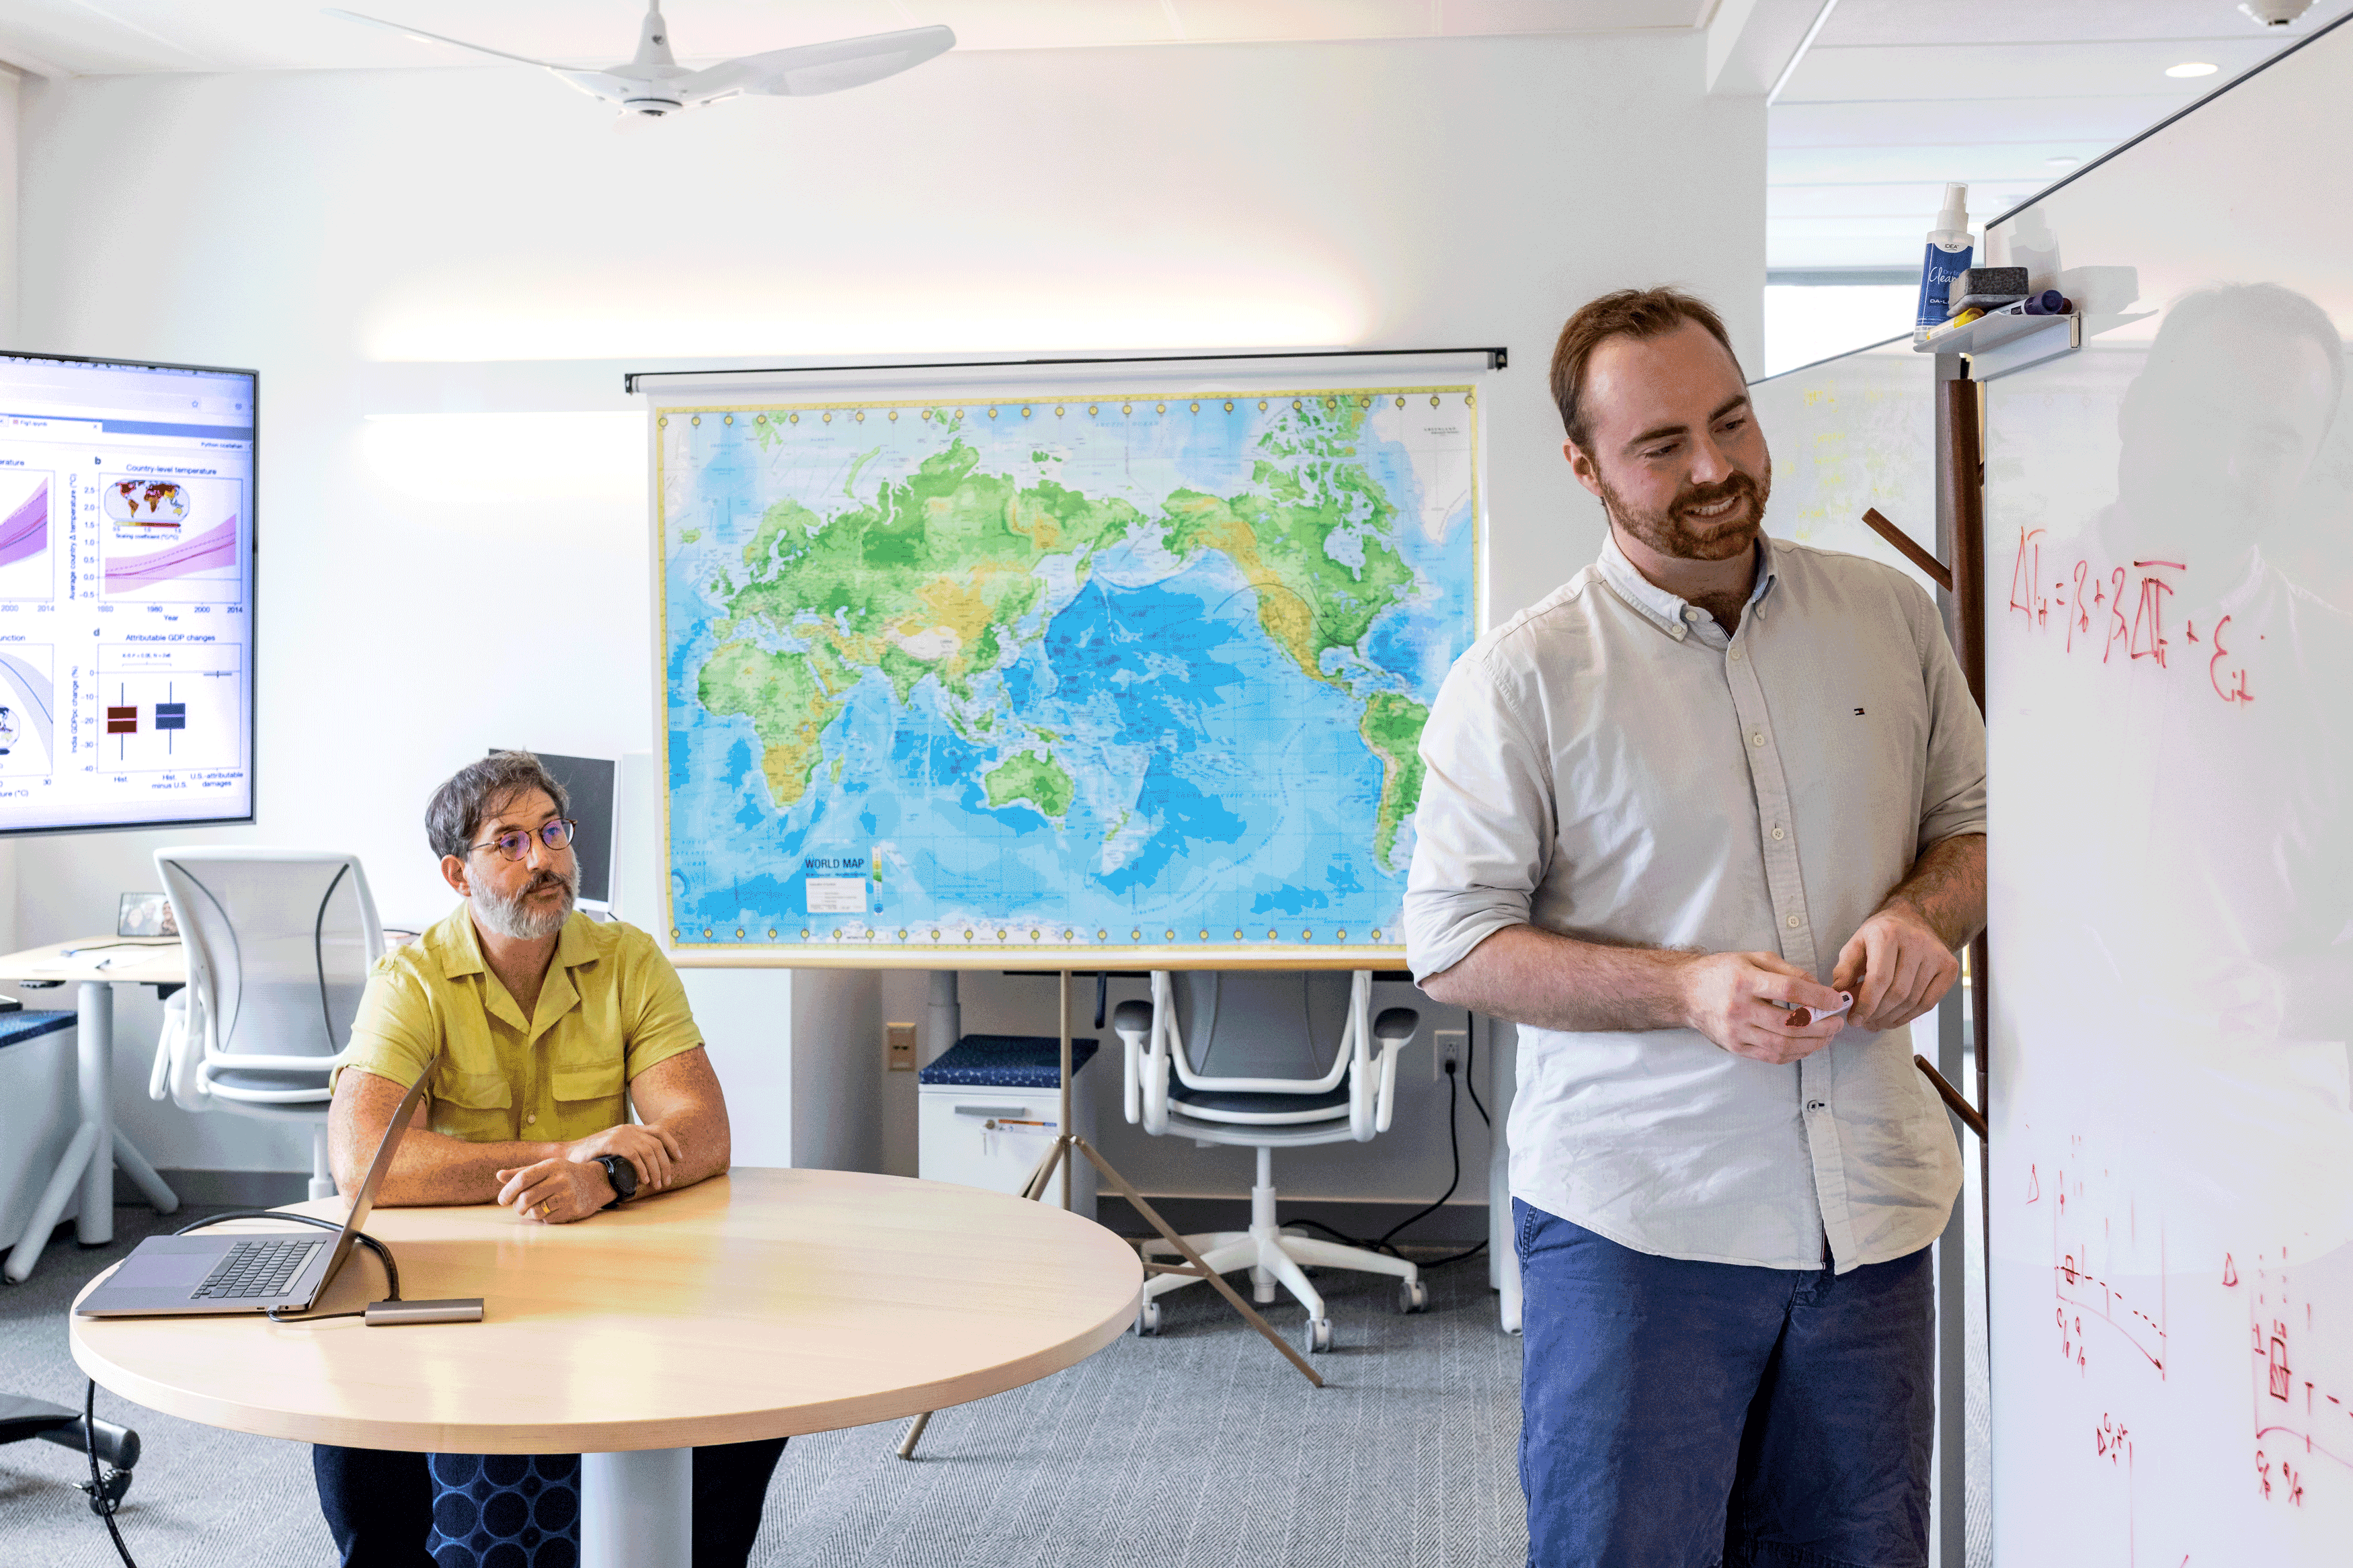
(2063, 162)
(2192, 68)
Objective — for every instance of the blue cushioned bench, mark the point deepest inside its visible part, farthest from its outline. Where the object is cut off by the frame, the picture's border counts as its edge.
(1006, 1061)
(16, 1028)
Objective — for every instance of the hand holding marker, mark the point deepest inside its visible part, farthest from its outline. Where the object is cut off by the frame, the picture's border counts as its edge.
(1804, 1018)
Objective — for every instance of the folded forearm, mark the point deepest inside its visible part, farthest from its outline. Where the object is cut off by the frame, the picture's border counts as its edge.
(704, 1147)
(1536, 977)
(432, 1168)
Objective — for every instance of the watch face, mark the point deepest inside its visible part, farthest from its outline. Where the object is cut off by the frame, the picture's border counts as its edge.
(623, 1175)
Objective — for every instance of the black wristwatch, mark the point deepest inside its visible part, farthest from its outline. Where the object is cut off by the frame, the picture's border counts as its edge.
(622, 1174)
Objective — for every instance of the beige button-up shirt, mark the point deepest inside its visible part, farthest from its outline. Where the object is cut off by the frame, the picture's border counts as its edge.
(1609, 765)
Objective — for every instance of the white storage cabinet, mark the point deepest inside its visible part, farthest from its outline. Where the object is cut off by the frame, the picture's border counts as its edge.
(988, 1106)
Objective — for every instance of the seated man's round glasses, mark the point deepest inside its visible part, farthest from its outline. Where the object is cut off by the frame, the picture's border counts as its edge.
(555, 833)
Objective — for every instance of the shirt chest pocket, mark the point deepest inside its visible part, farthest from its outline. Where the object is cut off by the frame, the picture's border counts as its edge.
(578, 1079)
(478, 1106)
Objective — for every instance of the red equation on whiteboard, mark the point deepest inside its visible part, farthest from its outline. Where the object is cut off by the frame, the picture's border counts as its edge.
(2121, 615)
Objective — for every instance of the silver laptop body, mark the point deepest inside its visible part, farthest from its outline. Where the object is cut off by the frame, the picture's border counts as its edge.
(199, 1276)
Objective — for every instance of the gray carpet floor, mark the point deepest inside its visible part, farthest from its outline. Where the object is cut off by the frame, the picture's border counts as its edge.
(1199, 1446)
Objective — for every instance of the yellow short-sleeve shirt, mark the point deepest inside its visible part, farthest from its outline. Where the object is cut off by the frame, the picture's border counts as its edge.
(611, 1007)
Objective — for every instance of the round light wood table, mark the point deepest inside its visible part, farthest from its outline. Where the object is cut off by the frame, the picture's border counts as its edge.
(758, 1304)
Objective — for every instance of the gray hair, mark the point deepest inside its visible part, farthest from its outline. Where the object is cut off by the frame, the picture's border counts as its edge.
(475, 791)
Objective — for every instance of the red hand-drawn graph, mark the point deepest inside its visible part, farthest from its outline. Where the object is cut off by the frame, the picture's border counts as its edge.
(2297, 1384)
(2096, 1246)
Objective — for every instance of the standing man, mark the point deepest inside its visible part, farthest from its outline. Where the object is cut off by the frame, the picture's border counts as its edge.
(540, 1028)
(1715, 784)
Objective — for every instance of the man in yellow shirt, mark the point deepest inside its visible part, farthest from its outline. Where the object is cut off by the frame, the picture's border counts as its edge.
(540, 1028)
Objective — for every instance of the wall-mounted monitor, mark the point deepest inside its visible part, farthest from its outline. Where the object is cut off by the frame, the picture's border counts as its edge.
(126, 593)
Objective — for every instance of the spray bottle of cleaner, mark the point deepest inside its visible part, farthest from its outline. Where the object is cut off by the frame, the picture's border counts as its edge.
(1947, 259)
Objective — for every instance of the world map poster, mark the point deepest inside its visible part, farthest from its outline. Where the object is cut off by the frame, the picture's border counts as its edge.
(1028, 671)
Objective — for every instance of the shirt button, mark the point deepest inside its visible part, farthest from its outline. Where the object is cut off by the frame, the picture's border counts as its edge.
(1692, 615)
(1795, 923)
(1778, 834)
(534, 1115)
(1736, 656)
(1816, 1105)
(1757, 739)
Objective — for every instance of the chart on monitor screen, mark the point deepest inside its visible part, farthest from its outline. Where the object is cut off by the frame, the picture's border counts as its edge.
(126, 593)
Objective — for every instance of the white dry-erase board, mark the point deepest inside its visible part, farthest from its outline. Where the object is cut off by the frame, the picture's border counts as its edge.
(2170, 694)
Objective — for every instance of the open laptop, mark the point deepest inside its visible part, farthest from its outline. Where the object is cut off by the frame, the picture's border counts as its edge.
(194, 1276)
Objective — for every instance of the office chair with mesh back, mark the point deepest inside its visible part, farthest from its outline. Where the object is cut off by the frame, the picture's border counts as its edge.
(278, 945)
(1257, 1085)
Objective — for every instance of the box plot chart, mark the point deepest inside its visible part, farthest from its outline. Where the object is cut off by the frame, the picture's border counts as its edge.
(28, 712)
(170, 709)
(27, 526)
(171, 539)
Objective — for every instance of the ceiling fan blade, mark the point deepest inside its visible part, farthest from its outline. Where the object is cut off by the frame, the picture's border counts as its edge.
(438, 38)
(807, 70)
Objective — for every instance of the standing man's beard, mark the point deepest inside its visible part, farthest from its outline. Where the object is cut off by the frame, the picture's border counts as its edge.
(1681, 534)
(515, 917)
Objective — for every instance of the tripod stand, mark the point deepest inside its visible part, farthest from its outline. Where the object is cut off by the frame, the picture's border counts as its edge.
(1066, 1149)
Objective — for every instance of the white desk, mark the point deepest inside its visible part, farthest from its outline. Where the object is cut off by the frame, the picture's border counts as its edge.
(95, 965)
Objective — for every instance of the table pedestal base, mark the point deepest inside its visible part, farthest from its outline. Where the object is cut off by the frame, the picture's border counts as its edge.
(98, 1146)
(637, 1509)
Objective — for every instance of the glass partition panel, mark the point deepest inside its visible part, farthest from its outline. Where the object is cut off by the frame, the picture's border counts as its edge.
(1849, 435)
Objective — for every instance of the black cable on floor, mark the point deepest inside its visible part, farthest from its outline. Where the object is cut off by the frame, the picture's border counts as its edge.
(1454, 1150)
(98, 1500)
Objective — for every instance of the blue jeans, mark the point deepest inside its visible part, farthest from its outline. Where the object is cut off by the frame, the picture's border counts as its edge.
(1680, 1414)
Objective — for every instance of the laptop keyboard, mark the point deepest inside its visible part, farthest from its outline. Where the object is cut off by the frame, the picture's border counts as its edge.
(256, 1269)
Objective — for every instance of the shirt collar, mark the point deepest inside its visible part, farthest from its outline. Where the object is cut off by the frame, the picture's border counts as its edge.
(1667, 611)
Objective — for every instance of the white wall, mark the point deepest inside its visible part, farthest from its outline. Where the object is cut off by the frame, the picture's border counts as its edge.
(9, 98)
(440, 275)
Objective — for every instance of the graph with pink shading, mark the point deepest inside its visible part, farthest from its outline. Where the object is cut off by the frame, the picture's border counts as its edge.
(214, 548)
(24, 532)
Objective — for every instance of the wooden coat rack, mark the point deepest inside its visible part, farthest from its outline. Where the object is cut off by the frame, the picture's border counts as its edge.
(1960, 542)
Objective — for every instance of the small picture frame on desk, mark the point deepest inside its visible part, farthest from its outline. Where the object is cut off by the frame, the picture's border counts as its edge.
(146, 915)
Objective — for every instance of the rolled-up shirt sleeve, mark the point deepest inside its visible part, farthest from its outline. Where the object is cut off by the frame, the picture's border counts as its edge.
(1953, 801)
(1483, 826)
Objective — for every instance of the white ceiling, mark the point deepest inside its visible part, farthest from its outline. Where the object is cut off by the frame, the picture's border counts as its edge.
(1894, 98)
(1897, 97)
(121, 37)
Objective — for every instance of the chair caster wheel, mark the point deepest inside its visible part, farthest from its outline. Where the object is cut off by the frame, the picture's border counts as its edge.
(1413, 1296)
(1147, 1320)
(1319, 1334)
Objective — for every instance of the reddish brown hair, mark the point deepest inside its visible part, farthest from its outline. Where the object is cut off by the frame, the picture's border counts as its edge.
(1629, 312)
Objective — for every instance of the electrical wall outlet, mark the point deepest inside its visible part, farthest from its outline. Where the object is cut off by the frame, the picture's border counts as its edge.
(1446, 1046)
(898, 1047)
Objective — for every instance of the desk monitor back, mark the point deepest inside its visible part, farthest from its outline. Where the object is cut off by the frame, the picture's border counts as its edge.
(588, 789)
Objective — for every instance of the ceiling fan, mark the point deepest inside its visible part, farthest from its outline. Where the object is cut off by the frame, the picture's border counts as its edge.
(654, 83)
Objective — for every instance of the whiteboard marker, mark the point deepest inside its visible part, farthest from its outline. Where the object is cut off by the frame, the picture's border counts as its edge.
(1806, 1017)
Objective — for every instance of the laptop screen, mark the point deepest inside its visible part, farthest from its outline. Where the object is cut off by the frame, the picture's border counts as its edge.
(365, 1199)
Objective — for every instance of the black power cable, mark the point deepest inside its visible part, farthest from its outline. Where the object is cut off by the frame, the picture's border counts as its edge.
(1455, 1152)
(103, 1499)
(104, 1496)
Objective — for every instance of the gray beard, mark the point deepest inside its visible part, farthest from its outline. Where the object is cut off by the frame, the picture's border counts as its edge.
(513, 919)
